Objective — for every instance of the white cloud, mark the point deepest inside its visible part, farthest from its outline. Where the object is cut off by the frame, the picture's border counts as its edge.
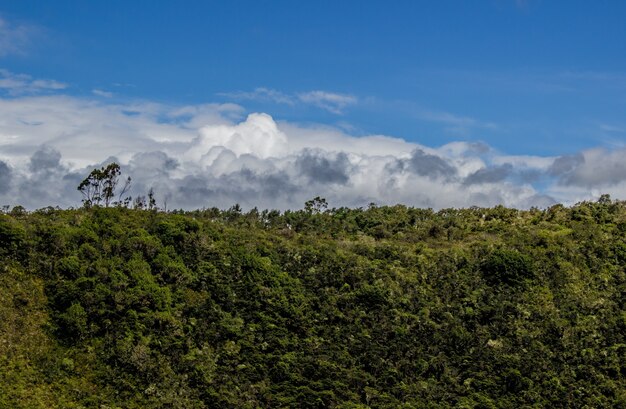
(261, 94)
(102, 93)
(525, 162)
(19, 84)
(334, 140)
(214, 155)
(258, 135)
(15, 38)
(454, 123)
(612, 128)
(592, 168)
(329, 101)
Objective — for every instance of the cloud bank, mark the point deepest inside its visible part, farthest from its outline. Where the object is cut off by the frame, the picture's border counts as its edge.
(216, 155)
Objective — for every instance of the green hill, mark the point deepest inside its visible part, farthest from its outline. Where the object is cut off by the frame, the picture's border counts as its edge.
(347, 308)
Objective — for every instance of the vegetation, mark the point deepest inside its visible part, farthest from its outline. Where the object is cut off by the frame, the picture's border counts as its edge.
(99, 187)
(384, 307)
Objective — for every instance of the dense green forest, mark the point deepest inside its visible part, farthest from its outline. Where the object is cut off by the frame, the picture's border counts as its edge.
(383, 307)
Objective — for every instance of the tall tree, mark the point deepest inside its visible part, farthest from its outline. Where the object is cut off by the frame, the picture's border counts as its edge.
(99, 186)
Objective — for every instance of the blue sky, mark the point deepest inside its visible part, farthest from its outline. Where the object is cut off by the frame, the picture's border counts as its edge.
(526, 77)
(549, 75)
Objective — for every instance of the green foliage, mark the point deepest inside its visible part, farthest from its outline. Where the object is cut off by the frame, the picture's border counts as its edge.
(348, 308)
(99, 186)
(507, 267)
(12, 236)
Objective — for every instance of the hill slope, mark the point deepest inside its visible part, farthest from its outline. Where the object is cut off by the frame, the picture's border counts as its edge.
(350, 308)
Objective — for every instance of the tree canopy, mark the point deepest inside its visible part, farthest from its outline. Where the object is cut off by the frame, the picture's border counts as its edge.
(383, 307)
(99, 186)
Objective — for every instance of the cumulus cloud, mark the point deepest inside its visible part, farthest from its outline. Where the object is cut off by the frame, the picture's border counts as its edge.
(591, 168)
(258, 135)
(324, 168)
(45, 159)
(5, 177)
(425, 164)
(563, 165)
(489, 175)
(216, 155)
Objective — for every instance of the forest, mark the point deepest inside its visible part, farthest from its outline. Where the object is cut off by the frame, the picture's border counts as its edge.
(376, 307)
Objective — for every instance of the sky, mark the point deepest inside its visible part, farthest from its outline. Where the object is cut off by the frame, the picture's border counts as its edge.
(270, 103)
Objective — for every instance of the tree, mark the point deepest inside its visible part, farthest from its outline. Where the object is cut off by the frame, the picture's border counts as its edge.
(316, 205)
(99, 186)
(151, 200)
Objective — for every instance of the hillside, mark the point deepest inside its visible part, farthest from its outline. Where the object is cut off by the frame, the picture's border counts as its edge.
(348, 308)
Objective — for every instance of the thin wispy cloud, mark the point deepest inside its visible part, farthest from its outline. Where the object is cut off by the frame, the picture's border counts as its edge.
(612, 128)
(260, 94)
(455, 123)
(19, 84)
(15, 38)
(329, 101)
(102, 93)
(596, 76)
